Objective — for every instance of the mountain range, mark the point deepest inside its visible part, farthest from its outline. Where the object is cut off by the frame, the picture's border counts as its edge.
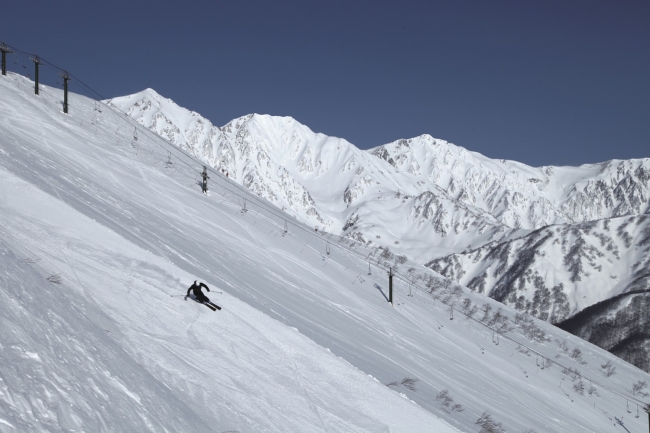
(105, 225)
(549, 241)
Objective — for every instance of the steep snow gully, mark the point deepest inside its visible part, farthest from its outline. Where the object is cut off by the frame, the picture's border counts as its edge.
(102, 233)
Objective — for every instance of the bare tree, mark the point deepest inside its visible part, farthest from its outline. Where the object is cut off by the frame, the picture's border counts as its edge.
(530, 329)
(486, 312)
(56, 279)
(488, 425)
(638, 388)
(546, 363)
(608, 369)
(592, 390)
(407, 382)
(562, 345)
(577, 355)
(432, 286)
(573, 373)
(452, 294)
(447, 402)
(579, 386)
(469, 308)
(499, 322)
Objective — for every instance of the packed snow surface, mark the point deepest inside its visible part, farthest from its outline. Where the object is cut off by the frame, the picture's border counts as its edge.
(104, 227)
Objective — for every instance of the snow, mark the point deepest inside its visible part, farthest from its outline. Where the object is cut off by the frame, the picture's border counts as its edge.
(433, 202)
(328, 182)
(304, 342)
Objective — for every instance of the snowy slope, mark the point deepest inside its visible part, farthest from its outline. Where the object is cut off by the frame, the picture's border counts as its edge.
(302, 333)
(61, 366)
(423, 198)
(558, 271)
(333, 182)
(324, 181)
(74, 207)
(584, 259)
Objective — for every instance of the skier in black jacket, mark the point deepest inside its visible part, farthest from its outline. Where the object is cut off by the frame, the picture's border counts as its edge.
(196, 288)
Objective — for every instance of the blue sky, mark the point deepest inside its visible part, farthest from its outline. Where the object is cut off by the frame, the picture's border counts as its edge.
(547, 82)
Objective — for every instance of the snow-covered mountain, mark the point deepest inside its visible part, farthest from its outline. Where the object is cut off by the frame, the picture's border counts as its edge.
(324, 181)
(100, 236)
(429, 200)
(561, 270)
(521, 196)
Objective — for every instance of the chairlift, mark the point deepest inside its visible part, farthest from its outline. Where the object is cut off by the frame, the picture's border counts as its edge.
(286, 228)
(451, 313)
(135, 134)
(327, 249)
(637, 411)
(627, 406)
(495, 337)
(369, 271)
(244, 210)
(169, 163)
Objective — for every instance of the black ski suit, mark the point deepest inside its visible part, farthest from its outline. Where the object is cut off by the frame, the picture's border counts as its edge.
(196, 288)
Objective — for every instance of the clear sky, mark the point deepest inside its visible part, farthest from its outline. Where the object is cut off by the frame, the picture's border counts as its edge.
(542, 82)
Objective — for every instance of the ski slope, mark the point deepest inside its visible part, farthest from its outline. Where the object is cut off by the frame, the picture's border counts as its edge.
(438, 203)
(305, 341)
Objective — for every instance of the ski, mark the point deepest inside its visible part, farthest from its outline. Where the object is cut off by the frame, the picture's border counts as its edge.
(210, 306)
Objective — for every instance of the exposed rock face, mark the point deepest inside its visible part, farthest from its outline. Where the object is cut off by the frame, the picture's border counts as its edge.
(551, 241)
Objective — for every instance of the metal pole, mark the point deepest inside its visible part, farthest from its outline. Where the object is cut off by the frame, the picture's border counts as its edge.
(36, 63)
(65, 95)
(390, 285)
(5, 49)
(205, 180)
(66, 78)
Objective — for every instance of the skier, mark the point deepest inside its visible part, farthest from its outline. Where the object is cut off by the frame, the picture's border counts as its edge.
(196, 289)
(200, 297)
